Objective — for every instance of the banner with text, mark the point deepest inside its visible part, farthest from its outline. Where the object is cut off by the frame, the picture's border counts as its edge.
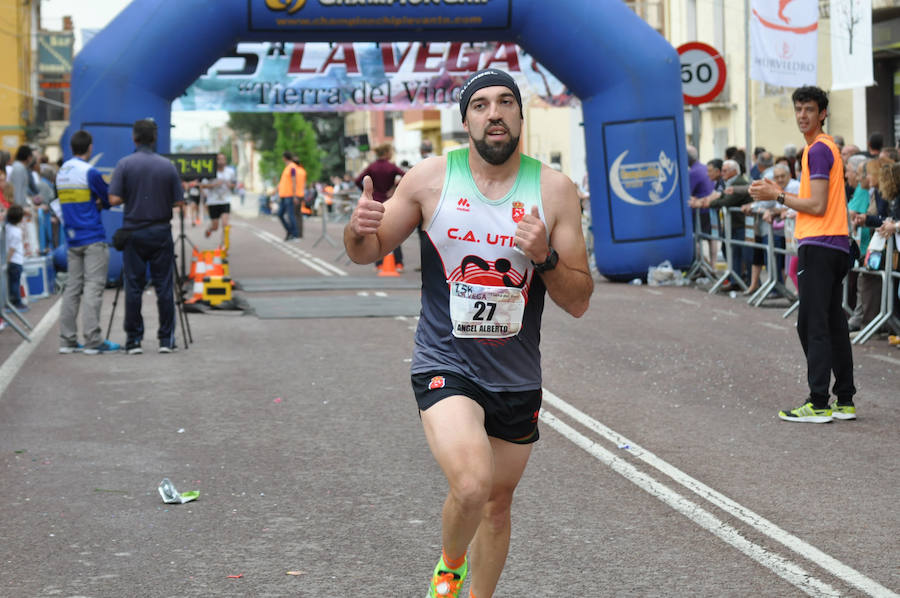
(377, 15)
(297, 77)
(851, 44)
(783, 42)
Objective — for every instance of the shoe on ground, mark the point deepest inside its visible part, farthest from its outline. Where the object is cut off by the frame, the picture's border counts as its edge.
(106, 346)
(207, 233)
(446, 582)
(806, 413)
(399, 268)
(21, 307)
(167, 348)
(69, 349)
(843, 410)
(134, 349)
(853, 327)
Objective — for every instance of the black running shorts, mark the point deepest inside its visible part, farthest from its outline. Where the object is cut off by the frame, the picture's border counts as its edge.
(216, 211)
(509, 416)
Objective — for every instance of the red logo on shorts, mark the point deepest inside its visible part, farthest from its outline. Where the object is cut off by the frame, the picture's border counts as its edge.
(436, 382)
(534, 417)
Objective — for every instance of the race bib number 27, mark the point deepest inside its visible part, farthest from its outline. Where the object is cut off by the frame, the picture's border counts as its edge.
(479, 311)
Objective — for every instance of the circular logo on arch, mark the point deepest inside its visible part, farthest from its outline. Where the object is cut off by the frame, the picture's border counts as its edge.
(291, 6)
(644, 183)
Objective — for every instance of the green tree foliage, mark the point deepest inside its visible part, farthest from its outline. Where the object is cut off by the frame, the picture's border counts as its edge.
(314, 138)
(330, 126)
(296, 135)
(258, 126)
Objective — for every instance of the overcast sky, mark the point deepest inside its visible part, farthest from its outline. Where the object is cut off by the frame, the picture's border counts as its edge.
(96, 14)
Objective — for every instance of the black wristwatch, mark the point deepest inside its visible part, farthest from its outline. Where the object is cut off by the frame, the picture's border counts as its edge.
(780, 198)
(549, 263)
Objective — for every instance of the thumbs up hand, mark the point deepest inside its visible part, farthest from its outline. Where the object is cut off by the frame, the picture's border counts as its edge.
(367, 215)
(531, 236)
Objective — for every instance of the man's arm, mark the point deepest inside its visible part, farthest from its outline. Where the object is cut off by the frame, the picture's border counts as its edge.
(570, 283)
(176, 187)
(815, 205)
(117, 186)
(99, 188)
(375, 229)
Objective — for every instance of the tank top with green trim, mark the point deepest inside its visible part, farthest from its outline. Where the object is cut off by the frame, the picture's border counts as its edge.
(481, 298)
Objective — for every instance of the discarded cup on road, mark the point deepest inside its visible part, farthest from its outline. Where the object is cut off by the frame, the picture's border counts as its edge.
(171, 496)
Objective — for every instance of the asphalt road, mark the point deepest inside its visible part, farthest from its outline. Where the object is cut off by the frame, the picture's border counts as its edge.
(662, 469)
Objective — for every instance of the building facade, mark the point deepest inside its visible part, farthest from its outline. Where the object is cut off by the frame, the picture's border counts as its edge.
(18, 75)
(853, 114)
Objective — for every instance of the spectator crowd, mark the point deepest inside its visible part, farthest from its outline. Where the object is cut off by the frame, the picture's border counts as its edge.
(872, 189)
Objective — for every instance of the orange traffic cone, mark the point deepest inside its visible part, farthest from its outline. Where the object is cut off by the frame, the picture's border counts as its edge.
(197, 290)
(388, 266)
(218, 268)
(195, 258)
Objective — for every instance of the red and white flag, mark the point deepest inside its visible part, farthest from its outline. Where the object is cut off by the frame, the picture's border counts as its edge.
(783, 42)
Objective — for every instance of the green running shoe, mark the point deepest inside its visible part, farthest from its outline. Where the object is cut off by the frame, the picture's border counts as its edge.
(447, 582)
(807, 414)
(843, 411)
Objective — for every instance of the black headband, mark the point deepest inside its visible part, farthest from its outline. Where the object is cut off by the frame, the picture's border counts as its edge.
(482, 79)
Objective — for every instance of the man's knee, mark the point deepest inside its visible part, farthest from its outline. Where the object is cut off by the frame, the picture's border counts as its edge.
(497, 510)
(471, 490)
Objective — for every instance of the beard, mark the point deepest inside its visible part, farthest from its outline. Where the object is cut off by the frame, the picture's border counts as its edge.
(496, 154)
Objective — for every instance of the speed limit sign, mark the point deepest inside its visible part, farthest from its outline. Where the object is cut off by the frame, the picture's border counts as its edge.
(702, 72)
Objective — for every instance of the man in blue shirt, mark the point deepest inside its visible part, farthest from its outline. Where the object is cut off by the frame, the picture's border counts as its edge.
(82, 195)
(149, 187)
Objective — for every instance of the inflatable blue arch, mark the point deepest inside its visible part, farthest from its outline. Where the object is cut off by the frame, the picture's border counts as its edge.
(626, 75)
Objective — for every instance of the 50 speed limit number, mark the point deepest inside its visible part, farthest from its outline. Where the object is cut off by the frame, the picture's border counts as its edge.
(702, 72)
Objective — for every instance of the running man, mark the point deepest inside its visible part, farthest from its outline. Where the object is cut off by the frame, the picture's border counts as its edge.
(823, 250)
(217, 195)
(498, 230)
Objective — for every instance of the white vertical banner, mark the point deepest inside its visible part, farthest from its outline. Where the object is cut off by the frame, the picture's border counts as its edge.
(783, 42)
(851, 44)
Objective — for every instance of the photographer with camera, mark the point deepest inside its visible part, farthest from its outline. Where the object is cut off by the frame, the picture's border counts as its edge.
(149, 186)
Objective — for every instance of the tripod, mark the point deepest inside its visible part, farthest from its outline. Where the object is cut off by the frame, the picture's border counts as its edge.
(179, 304)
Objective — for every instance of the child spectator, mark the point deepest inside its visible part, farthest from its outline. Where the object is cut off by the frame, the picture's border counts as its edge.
(15, 253)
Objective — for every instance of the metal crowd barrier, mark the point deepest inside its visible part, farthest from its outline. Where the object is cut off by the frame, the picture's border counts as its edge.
(888, 275)
(886, 311)
(8, 307)
(731, 245)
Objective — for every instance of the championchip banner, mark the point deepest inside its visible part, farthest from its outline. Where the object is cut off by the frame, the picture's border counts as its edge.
(851, 44)
(321, 77)
(377, 15)
(783, 42)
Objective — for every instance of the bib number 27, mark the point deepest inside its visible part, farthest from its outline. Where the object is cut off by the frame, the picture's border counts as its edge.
(481, 307)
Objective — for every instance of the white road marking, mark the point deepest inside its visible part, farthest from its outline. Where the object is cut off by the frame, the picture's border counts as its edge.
(319, 265)
(688, 301)
(772, 326)
(785, 569)
(776, 563)
(654, 292)
(886, 358)
(725, 312)
(14, 362)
